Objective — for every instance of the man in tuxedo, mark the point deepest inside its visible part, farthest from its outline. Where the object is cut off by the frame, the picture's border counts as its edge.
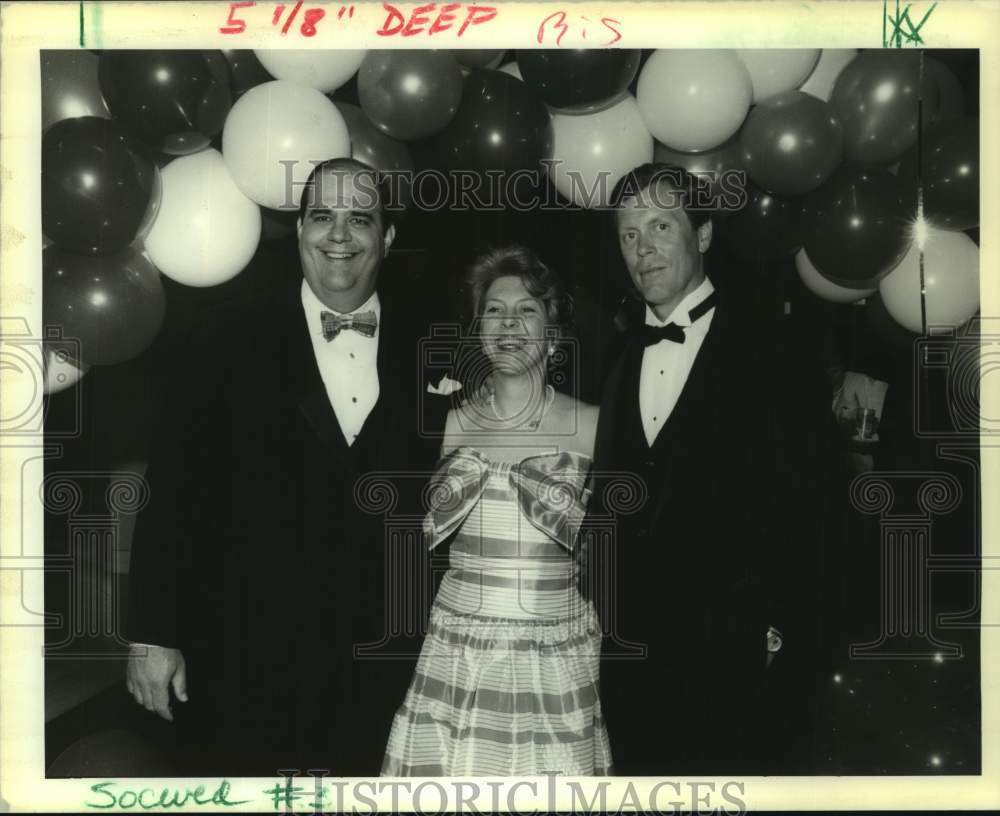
(686, 593)
(260, 563)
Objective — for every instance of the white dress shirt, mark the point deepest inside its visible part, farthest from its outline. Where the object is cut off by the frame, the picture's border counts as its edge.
(666, 365)
(348, 363)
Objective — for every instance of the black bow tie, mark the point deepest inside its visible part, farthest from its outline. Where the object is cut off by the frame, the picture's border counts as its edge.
(651, 335)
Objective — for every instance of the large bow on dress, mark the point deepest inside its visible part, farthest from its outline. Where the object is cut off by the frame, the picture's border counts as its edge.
(551, 491)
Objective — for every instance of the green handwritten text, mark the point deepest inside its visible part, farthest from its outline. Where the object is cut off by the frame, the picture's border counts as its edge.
(898, 36)
(153, 798)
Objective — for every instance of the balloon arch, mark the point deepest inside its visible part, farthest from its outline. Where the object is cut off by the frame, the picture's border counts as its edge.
(861, 165)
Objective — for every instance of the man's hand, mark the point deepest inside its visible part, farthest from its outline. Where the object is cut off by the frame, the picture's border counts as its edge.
(150, 670)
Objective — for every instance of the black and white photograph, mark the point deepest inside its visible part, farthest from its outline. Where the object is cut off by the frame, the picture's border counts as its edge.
(603, 410)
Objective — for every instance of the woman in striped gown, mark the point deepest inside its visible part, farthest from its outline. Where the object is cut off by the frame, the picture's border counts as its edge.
(506, 682)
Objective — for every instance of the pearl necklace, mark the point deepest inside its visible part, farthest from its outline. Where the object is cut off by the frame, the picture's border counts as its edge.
(531, 425)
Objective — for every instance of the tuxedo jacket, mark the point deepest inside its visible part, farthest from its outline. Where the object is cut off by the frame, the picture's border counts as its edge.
(262, 555)
(705, 557)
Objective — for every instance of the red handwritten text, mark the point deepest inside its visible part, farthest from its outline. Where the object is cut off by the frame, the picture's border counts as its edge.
(448, 14)
(283, 15)
(310, 18)
(555, 25)
(234, 25)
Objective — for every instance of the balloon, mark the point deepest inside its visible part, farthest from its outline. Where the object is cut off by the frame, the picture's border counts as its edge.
(246, 70)
(478, 58)
(720, 167)
(831, 62)
(113, 305)
(951, 282)
(374, 148)
(950, 174)
(61, 371)
(591, 153)
(824, 288)
(207, 230)
(875, 98)
(500, 125)
(96, 187)
(172, 100)
(791, 143)
(69, 87)
(856, 227)
(409, 94)
(512, 69)
(766, 228)
(693, 100)
(273, 136)
(579, 80)
(371, 145)
(776, 70)
(324, 70)
(944, 97)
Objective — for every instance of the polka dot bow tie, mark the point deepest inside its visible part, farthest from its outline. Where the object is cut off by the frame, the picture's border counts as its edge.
(363, 322)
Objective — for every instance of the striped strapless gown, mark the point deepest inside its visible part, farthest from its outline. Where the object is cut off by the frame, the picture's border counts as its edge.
(506, 682)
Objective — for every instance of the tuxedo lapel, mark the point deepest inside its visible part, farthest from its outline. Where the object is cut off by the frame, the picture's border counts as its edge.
(694, 402)
(389, 414)
(307, 384)
(620, 407)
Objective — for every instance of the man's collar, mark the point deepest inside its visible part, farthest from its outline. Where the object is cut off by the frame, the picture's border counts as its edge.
(313, 305)
(680, 313)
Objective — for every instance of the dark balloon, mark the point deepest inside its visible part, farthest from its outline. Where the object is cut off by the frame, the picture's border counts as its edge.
(374, 148)
(245, 70)
(500, 125)
(69, 87)
(113, 305)
(579, 80)
(371, 145)
(791, 143)
(720, 168)
(766, 228)
(856, 227)
(175, 101)
(409, 94)
(949, 174)
(944, 98)
(478, 58)
(97, 188)
(875, 98)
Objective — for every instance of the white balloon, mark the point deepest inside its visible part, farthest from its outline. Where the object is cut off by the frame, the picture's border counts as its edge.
(273, 136)
(61, 372)
(776, 70)
(324, 70)
(831, 62)
(820, 286)
(951, 282)
(591, 152)
(207, 230)
(512, 69)
(694, 100)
